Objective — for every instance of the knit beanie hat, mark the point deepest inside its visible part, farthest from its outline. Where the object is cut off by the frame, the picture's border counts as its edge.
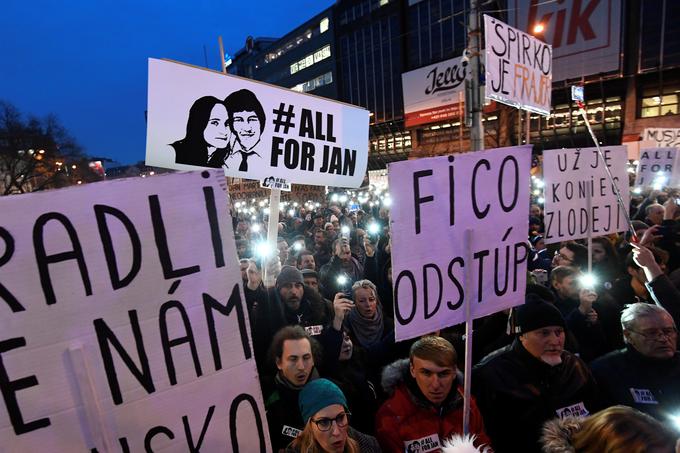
(536, 314)
(318, 394)
(289, 274)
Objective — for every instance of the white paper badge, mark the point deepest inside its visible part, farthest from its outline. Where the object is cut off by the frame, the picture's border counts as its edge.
(576, 410)
(422, 445)
(643, 396)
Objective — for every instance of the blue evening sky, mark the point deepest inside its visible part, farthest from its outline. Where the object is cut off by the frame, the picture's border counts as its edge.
(86, 60)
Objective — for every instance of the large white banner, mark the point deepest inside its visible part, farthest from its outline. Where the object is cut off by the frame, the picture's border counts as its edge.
(202, 118)
(584, 34)
(662, 136)
(570, 175)
(518, 67)
(433, 93)
(658, 168)
(123, 326)
(434, 202)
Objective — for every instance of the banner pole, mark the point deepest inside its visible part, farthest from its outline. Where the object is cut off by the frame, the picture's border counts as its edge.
(589, 203)
(273, 226)
(467, 378)
(617, 192)
(224, 63)
(527, 127)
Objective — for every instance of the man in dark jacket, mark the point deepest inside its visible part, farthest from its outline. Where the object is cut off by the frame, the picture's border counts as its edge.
(292, 352)
(291, 303)
(426, 403)
(646, 374)
(342, 263)
(520, 386)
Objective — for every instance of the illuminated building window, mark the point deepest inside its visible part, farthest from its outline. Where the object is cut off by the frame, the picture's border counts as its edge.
(323, 25)
(310, 59)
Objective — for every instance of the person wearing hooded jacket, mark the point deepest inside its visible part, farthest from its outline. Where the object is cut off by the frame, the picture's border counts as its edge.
(534, 379)
(426, 402)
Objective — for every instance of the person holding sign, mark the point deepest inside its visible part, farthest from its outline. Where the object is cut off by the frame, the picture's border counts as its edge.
(426, 402)
(521, 386)
(326, 416)
(207, 139)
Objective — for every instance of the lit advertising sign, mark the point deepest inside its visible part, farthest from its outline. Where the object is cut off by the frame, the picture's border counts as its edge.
(584, 34)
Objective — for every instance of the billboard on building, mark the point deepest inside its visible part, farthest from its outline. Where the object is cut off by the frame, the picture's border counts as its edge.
(585, 35)
(434, 93)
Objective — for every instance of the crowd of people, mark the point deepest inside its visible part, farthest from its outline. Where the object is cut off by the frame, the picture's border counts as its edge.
(588, 363)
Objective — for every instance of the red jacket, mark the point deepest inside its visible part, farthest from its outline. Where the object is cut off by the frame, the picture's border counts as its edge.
(407, 417)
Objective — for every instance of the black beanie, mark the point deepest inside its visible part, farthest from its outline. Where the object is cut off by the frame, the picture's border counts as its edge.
(289, 274)
(536, 314)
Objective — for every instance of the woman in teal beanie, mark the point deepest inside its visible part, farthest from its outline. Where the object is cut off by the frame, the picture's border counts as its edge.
(324, 410)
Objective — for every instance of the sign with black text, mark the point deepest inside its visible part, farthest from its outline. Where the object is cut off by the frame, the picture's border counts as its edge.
(203, 118)
(124, 328)
(570, 175)
(658, 168)
(518, 67)
(662, 136)
(434, 202)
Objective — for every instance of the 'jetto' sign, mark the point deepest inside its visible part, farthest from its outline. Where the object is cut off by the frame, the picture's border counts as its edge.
(123, 328)
(518, 67)
(435, 200)
(570, 176)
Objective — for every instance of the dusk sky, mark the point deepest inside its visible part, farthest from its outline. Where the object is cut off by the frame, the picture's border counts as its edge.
(86, 61)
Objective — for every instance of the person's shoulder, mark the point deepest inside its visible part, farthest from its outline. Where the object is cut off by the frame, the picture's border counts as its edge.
(495, 358)
(607, 360)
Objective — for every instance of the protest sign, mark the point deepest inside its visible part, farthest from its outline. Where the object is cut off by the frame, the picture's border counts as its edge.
(275, 183)
(434, 202)
(518, 67)
(124, 328)
(246, 190)
(658, 168)
(431, 94)
(662, 136)
(202, 118)
(569, 176)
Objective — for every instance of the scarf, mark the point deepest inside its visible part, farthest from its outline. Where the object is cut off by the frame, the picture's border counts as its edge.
(282, 382)
(367, 331)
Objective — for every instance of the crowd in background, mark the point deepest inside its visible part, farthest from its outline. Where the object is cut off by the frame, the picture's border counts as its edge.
(589, 362)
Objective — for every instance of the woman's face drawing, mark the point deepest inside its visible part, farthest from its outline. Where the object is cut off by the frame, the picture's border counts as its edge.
(215, 133)
(247, 127)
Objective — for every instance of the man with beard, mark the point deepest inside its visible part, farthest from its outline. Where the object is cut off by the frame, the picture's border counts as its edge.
(522, 385)
(291, 303)
(342, 263)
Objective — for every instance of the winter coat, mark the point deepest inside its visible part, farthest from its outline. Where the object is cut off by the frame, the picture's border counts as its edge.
(329, 272)
(367, 444)
(557, 434)
(283, 414)
(517, 393)
(408, 418)
(648, 385)
(271, 314)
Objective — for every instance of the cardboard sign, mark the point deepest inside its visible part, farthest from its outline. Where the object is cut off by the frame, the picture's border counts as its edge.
(203, 118)
(123, 325)
(584, 35)
(273, 182)
(434, 201)
(518, 67)
(570, 174)
(662, 136)
(248, 190)
(658, 168)
(431, 94)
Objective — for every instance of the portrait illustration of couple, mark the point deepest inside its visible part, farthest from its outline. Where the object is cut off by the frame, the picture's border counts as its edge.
(222, 133)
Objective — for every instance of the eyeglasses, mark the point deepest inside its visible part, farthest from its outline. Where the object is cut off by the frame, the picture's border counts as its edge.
(655, 334)
(562, 257)
(324, 424)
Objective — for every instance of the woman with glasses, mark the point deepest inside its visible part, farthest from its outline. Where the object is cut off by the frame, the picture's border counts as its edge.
(326, 415)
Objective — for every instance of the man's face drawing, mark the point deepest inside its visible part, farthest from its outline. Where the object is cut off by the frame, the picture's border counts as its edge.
(215, 133)
(246, 125)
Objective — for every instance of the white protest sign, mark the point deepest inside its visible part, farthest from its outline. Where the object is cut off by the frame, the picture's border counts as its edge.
(199, 117)
(518, 67)
(275, 183)
(123, 326)
(569, 175)
(662, 136)
(658, 168)
(434, 201)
